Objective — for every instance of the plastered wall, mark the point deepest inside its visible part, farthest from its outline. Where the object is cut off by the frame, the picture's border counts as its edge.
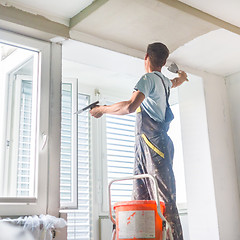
(233, 90)
(210, 168)
(222, 156)
(202, 218)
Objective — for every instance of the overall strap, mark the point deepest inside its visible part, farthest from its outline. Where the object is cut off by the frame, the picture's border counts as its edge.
(166, 93)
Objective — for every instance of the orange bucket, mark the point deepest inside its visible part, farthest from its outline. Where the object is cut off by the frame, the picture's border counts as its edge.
(138, 220)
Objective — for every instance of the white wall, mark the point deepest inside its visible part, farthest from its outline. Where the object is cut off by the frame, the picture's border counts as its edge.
(198, 170)
(210, 170)
(233, 87)
(223, 159)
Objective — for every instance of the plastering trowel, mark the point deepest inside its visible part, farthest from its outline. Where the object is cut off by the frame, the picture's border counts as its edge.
(173, 68)
(90, 106)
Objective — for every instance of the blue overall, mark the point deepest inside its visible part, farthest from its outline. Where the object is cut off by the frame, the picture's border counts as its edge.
(154, 155)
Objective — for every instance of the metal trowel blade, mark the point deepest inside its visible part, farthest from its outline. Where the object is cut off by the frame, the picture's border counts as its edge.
(90, 106)
(173, 68)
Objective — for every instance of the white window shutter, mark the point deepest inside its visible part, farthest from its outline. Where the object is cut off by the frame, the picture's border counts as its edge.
(24, 141)
(120, 131)
(79, 222)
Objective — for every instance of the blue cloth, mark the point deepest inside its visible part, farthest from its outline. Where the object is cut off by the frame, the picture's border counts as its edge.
(155, 99)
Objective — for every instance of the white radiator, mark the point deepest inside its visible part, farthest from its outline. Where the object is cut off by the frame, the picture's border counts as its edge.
(41, 227)
(105, 228)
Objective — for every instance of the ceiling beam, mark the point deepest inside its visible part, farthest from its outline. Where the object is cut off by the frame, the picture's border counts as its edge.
(200, 14)
(86, 12)
(36, 22)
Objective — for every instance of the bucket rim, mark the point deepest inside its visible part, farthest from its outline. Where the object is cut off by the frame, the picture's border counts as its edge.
(136, 202)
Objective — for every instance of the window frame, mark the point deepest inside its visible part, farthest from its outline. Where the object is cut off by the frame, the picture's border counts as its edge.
(36, 205)
(9, 68)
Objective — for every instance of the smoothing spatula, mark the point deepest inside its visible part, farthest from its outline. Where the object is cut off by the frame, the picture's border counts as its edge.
(90, 106)
(173, 68)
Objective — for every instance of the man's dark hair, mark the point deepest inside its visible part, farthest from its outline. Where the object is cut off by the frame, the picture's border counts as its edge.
(158, 54)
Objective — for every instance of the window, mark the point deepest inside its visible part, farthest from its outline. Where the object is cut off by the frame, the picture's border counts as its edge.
(24, 75)
(17, 126)
(79, 219)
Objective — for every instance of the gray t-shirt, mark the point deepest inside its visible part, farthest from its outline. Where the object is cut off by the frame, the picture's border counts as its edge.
(155, 99)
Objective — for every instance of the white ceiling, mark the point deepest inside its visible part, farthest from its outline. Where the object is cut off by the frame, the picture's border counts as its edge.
(136, 23)
(60, 11)
(227, 10)
(124, 26)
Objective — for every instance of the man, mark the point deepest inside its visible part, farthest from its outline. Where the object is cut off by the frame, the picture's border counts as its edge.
(153, 148)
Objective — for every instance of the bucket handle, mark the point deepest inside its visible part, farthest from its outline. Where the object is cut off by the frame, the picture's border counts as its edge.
(132, 178)
(166, 225)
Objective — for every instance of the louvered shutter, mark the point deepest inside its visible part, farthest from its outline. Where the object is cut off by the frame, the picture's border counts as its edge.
(120, 132)
(79, 223)
(24, 141)
(66, 144)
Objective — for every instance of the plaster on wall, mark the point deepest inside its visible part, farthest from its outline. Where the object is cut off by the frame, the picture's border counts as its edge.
(222, 163)
(202, 213)
(233, 87)
(215, 52)
(223, 159)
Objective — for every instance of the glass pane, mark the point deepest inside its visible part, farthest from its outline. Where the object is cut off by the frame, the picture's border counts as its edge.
(18, 93)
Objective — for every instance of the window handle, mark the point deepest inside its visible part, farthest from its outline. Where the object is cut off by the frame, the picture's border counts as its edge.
(44, 140)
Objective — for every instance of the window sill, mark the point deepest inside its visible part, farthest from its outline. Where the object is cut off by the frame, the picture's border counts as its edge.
(23, 200)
